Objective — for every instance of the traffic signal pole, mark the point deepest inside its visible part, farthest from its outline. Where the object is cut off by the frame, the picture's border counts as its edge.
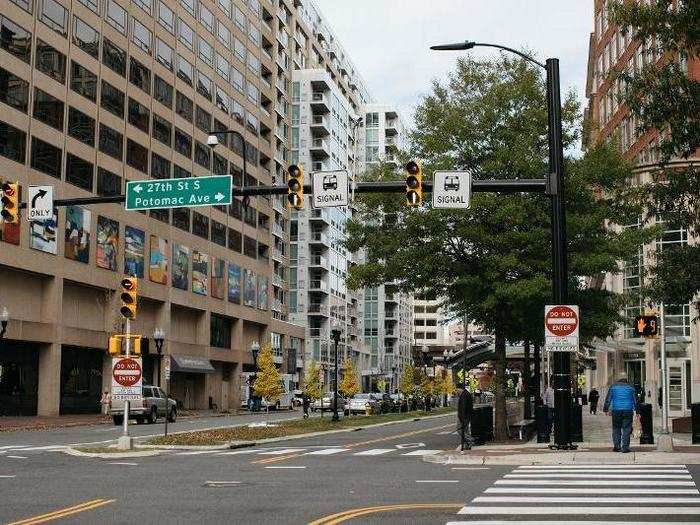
(127, 343)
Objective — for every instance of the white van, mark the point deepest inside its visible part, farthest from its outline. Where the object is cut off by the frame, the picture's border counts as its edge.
(285, 401)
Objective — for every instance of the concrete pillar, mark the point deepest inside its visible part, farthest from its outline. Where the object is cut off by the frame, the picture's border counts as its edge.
(49, 388)
(694, 354)
(203, 325)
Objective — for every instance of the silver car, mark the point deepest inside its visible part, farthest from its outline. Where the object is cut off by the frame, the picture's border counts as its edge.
(359, 404)
(155, 403)
(326, 403)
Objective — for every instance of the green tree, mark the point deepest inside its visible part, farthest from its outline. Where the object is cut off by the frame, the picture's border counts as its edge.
(663, 97)
(312, 381)
(494, 259)
(267, 381)
(349, 386)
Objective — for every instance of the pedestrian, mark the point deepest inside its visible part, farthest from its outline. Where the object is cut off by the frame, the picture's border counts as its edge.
(593, 397)
(621, 402)
(305, 404)
(548, 401)
(105, 401)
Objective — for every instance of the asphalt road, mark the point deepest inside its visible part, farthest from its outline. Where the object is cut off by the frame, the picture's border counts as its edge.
(304, 480)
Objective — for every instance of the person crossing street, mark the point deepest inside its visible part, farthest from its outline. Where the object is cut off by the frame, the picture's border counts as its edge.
(621, 402)
(593, 397)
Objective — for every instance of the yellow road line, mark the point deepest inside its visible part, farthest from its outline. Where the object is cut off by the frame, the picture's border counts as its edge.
(274, 459)
(347, 515)
(42, 518)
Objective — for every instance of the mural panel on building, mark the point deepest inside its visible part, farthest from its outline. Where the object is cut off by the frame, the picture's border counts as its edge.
(158, 267)
(181, 266)
(107, 243)
(234, 283)
(78, 234)
(200, 272)
(134, 245)
(218, 278)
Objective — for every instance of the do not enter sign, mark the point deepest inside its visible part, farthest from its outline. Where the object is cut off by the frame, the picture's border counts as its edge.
(561, 327)
(126, 379)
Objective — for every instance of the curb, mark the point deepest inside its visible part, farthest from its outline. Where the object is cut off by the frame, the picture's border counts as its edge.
(183, 447)
(565, 458)
(107, 455)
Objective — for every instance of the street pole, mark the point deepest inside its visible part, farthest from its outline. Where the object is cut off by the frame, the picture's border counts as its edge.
(664, 373)
(465, 346)
(125, 423)
(335, 381)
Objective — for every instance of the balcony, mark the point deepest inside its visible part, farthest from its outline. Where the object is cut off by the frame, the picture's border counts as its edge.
(318, 261)
(317, 332)
(319, 148)
(318, 285)
(281, 108)
(277, 281)
(392, 127)
(320, 125)
(277, 255)
(276, 228)
(277, 306)
(319, 238)
(391, 334)
(320, 103)
(390, 315)
(320, 215)
(318, 309)
(391, 298)
(392, 142)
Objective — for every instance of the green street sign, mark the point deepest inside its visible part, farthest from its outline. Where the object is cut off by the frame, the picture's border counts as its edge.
(178, 193)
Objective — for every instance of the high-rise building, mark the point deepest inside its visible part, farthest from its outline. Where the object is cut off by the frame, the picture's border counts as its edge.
(383, 136)
(430, 322)
(613, 48)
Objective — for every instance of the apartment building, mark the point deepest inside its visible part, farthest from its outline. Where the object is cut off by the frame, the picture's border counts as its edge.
(97, 92)
(612, 48)
(384, 135)
(430, 322)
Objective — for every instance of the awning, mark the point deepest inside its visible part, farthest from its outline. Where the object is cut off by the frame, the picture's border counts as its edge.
(193, 365)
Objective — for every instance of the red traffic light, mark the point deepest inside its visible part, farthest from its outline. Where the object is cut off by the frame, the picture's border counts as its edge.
(412, 167)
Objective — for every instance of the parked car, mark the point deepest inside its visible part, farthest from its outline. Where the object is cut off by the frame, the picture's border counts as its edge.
(359, 403)
(155, 403)
(325, 404)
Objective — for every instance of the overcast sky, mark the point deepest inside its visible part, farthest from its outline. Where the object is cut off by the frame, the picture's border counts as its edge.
(388, 40)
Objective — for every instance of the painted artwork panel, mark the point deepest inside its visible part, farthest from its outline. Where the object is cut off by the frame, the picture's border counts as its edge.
(181, 266)
(249, 291)
(42, 234)
(262, 293)
(234, 283)
(78, 234)
(200, 272)
(107, 243)
(134, 251)
(158, 264)
(218, 278)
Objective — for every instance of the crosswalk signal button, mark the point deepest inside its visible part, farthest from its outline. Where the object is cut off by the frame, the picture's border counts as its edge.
(414, 183)
(129, 297)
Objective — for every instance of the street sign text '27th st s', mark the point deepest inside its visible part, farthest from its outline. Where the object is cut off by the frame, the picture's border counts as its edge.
(452, 189)
(178, 193)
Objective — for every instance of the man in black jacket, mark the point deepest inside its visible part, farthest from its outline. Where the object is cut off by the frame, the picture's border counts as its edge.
(593, 397)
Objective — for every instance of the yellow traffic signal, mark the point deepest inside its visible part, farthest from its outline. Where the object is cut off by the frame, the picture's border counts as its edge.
(295, 195)
(115, 345)
(414, 183)
(129, 297)
(10, 202)
(136, 345)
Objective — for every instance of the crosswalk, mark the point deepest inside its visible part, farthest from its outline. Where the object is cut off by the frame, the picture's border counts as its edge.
(587, 495)
(313, 452)
(30, 448)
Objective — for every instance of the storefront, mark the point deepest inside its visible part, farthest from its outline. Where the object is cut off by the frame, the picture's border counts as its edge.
(19, 378)
(81, 380)
(188, 381)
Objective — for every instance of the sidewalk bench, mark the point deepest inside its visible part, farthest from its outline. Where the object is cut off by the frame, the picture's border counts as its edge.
(524, 428)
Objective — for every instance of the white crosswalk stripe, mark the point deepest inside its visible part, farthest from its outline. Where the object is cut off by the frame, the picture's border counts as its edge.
(586, 495)
(281, 451)
(421, 452)
(374, 452)
(330, 451)
(326, 451)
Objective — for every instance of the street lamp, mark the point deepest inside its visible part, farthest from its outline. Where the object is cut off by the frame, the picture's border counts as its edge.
(335, 334)
(555, 188)
(159, 337)
(4, 318)
(254, 350)
(213, 141)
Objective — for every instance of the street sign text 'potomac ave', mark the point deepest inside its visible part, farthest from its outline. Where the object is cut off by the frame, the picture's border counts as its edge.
(178, 193)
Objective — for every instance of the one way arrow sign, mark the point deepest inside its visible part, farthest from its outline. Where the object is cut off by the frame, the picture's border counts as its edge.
(40, 204)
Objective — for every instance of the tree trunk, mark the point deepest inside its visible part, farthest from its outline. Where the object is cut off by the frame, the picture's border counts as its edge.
(527, 413)
(500, 429)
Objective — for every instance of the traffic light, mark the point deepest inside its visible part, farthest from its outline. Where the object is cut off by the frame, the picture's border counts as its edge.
(646, 326)
(129, 297)
(414, 183)
(136, 345)
(10, 202)
(115, 345)
(295, 196)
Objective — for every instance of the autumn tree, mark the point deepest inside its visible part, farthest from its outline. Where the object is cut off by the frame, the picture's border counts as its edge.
(349, 385)
(407, 385)
(312, 381)
(267, 381)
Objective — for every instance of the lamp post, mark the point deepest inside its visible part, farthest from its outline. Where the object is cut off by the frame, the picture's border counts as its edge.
(335, 334)
(555, 188)
(4, 318)
(254, 350)
(159, 337)
(324, 369)
(213, 141)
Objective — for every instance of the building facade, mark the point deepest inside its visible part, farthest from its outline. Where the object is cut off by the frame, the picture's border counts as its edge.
(611, 48)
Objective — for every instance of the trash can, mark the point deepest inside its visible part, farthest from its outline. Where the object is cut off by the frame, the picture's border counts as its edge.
(695, 423)
(576, 423)
(647, 424)
(543, 424)
(482, 424)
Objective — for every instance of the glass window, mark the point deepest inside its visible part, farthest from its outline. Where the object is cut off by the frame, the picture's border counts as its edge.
(235, 240)
(202, 120)
(50, 61)
(220, 165)
(218, 233)
(223, 34)
(81, 126)
(139, 115)
(108, 183)
(254, 34)
(188, 5)
(166, 18)
(253, 64)
(114, 57)
(181, 218)
(86, 38)
(111, 142)
(239, 50)
(13, 142)
(183, 143)
(225, 6)
(160, 167)
(185, 70)
(79, 172)
(24, 4)
(163, 92)
(223, 139)
(162, 130)
(144, 4)
(139, 75)
(112, 99)
(141, 36)
(205, 86)
(83, 81)
(220, 331)
(136, 156)
(222, 100)
(186, 34)
(15, 39)
(116, 16)
(92, 5)
(250, 247)
(206, 18)
(184, 106)
(240, 20)
(253, 94)
(160, 215)
(206, 52)
(200, 225)
(202, 154)
(164, 54)
(55, 16)
(46, 158)
(222, 67)
(14, 91)
(48, 109)
(237, 79)
(180, 173)
(238, 112)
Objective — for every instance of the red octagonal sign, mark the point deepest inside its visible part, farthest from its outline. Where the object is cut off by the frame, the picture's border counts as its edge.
(127, 372)
(561, 321)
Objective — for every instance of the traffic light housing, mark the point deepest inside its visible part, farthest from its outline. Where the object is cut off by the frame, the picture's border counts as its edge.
(295, 185)
(114, 346)
(10, 202)
(129, 297)
(414, 183)
(136, 345)
(646, 326)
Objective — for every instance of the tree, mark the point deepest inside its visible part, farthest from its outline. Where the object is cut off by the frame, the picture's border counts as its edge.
(267, 381)
(407, 385)
(312, 381)
(665, 101)
(349, 386)
(493, 260)
(446, 386)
